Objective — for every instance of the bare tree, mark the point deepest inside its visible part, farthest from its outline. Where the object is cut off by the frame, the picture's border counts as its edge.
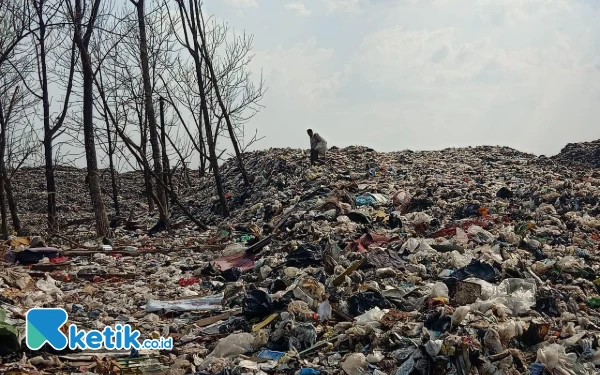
(163, 144)
(136, 151)
(231, 95)
(189, 23)
(83, 29)
(215, 83)
(110, 150)
(49, 43)
(149, 107)
(9, 100)
(15, 19)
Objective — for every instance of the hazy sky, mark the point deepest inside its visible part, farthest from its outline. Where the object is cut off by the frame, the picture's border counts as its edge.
(425, 74)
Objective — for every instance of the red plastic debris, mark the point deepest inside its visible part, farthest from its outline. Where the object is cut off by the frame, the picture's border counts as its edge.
(188, 282)
(361, 245)
(59, 260)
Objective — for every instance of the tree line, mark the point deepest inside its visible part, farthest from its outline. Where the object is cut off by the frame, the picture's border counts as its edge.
(154, 83)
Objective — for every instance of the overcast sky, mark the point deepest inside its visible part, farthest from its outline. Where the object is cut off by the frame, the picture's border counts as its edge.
(425, 74)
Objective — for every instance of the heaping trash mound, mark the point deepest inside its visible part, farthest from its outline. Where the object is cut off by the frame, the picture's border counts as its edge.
(583, 154)
(462, 261)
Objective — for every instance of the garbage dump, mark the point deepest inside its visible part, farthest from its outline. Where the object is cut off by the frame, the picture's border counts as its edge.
(478, 260)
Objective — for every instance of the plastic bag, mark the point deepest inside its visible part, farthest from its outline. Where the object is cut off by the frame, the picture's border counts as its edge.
(202, 304)
(480, 235)
(570, 264)
(401, 198)
(433, 347)
(324, 311)
(458, 260)
(306, 255)
(477, 269)
(355, 364)
(362, 302)
(418, 218)
(460, 314)
(257, 304)
(370, 318)
(509, 330)
(309, 371)
(461, 237)
(365, 200)
(237, 344)
(555, 357)
(232, 275)
(300, 310)
(517, 294)
(376, 357)
(411, 245)
(491, 341)
(439, 290)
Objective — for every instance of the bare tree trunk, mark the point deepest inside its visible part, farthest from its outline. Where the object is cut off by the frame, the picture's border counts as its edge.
(82, 42)
(50, 130)
(224, 110)
(48, 133)
(3, 212)
(183, 163)
(4, 119)
(50, 181)
(147, 175)
(165, 157)
(3, 137)
(153, 127)
(191, 18)
(111, 164)
(136, 151)
(148, 185)
(12, 205)
(90, 153)
(214, 162)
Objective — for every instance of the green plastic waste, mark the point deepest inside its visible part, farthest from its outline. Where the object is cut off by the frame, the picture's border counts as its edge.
(244, 238)
(9, 336)
(593, 302)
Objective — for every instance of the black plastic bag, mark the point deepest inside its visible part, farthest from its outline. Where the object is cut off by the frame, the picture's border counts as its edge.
(257, 304)
(438, 323)
(504, 193)
(477, 269)
(32, 256)
(283, 302)
(362, 302)
(468, 210)
(232, 275)
(235, 323)
(305, 255)
(395, 220)
(420, 204)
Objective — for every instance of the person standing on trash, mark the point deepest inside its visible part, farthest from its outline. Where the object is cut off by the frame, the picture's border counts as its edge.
(318, 147)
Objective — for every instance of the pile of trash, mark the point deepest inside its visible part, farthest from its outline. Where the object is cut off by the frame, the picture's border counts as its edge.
(584, 154)
(481, 261)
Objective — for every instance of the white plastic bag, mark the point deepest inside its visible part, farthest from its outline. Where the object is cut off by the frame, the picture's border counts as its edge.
(370, 318)
(439, 290)
(355, 364)
(554, 356)
(324, 310)
(237, 344)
